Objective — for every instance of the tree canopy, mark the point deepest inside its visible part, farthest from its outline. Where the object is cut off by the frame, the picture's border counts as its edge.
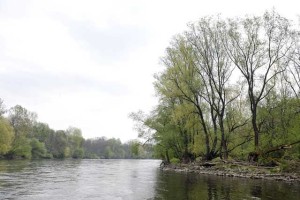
(229, 87)
(23, 137)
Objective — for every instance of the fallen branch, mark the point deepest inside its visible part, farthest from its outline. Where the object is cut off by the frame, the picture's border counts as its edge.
(253, 156)
(207, 164)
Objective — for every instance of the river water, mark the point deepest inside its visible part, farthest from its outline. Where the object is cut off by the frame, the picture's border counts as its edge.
(128, 180)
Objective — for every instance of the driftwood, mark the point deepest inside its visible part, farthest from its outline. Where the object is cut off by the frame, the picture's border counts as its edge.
(163, 164)
(253, 156)
(207, 164)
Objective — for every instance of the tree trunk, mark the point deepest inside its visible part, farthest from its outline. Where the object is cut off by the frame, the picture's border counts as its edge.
(202, 122)
(255, 129)
(224, 151)
(167, 156)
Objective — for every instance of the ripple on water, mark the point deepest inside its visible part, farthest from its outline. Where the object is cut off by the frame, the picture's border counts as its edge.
(126, 180)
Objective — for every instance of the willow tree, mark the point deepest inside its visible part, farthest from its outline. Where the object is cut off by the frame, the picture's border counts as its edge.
(199, 67)
(180, 80)
(21, 120)
(183, 79)
(260, 48)
(160, 125)
(198, 71)
(6, 136)
(292, 75)
(214, 69)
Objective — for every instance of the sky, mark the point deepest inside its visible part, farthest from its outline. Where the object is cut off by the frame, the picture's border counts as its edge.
(89, 64)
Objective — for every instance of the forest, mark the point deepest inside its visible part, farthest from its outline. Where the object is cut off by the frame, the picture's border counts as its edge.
(23, 137)
(229, 89)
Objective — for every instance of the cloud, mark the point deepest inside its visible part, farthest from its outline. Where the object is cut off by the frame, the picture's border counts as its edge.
(107, 44)
(24, 82)
(90, 63)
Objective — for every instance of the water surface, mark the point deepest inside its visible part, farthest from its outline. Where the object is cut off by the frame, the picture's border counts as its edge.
(126, 179)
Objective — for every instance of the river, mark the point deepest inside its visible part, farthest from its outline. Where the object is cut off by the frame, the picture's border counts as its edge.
(128, 180)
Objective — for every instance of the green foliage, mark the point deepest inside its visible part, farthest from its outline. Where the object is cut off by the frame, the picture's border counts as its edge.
(6, 136)
(58, 144)
(38, 149)
(175, 161)
(21, 120)
(78, 153)
(135, 148)
(75, 142)
(42, 131)
(108, 153)
(91, 156)
(21, 137)
(21, 148)
(113, 148)
(203, 114)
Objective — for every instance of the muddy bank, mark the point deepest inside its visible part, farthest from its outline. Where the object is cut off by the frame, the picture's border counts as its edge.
(237, 169)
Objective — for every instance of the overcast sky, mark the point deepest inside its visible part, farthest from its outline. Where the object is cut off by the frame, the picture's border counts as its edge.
(89, 64)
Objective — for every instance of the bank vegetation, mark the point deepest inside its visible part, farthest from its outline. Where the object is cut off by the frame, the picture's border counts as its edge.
(229, 89)
(22, 136)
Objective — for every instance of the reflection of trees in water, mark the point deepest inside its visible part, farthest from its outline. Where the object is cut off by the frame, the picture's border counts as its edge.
(256, 191)
(225, 191)
(192, 186)
(171, 186)
(11, 166)
(211, 189)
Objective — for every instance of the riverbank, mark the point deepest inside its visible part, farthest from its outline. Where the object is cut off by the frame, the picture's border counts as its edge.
(236, 169)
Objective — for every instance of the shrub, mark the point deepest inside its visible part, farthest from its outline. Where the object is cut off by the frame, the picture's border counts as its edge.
(175, 161)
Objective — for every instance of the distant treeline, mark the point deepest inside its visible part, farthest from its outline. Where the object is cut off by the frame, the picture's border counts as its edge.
(21, 136)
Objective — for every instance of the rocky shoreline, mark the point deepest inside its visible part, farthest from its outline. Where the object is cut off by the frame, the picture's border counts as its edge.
(240, 170)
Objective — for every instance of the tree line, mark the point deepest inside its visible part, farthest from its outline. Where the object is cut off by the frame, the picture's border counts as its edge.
(23, 137)
(229, 88)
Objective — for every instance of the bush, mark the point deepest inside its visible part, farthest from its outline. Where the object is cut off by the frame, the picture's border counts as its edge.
(38, 149)
(78, 153)
(175, 161)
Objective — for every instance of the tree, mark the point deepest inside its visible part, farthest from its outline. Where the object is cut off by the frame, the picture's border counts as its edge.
(38, 149)
(108, 153)
(78, 153)
(6, 136)
(260, 48)
(75, 141)
(41, 131)
(168, 128)
(203, 110)
(198, 72)
(214, 68)
(2, 108)
(180, 80)
(21, 120)
(58, 144)
(21, 148)
(292, 74)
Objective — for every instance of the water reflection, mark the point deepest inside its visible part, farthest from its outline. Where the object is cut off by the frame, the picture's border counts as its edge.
(255, 191)
(172, 185)
(126, 180)
(14, 166)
